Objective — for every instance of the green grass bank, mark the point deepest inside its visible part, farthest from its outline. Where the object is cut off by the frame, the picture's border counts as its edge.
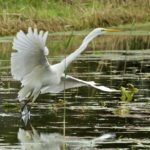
(68, 15)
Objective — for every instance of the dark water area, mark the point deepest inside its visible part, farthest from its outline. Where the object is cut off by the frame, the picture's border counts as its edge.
(89, 118)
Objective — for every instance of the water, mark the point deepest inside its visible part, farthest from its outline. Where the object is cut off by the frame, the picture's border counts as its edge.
(93, 119)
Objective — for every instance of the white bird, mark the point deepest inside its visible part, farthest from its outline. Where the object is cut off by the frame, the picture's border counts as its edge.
(29, 65)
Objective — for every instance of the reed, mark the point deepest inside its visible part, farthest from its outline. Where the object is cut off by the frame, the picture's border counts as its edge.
(57, 45)
(64, 15)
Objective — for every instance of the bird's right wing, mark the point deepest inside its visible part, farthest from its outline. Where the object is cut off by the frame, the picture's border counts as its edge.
(30, 53)
(68, 82)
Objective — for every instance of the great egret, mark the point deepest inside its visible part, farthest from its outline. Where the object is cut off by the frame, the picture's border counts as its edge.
(30, 65)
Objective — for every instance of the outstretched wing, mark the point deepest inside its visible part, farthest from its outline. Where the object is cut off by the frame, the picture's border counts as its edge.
(29, 63)
(68, 82)
(31, 52)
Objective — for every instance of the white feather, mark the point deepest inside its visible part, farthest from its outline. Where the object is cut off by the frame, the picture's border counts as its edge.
(30, 54)
(45, 37)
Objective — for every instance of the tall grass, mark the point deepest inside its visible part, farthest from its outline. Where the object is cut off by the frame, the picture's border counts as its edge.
(58, 15)
(57, 45)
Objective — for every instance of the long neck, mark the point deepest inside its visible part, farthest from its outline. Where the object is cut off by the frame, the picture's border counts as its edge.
(65, 62)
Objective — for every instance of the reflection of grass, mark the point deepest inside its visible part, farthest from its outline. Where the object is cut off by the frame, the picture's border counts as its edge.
(121, 111)
(10, 106)
(67, 14)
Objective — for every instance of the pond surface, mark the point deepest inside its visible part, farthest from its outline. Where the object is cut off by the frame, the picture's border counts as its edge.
(81, 118)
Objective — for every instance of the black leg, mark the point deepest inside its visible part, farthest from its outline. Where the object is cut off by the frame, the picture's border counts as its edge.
(24, 104)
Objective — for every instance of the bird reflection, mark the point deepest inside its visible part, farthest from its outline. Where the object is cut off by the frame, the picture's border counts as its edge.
(25, 115)
(32, 140)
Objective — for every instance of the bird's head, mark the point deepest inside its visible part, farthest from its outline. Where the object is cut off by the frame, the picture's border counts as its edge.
(105, 30)
(96, 32)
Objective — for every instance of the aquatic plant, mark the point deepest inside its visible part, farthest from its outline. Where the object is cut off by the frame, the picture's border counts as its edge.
(127, 93)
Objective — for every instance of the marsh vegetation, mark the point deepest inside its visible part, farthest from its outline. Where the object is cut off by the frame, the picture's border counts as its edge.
(64, 15)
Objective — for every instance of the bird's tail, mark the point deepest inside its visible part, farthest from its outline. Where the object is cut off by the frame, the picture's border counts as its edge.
(28, 92)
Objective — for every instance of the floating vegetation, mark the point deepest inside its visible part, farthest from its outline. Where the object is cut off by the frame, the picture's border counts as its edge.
(127, 94)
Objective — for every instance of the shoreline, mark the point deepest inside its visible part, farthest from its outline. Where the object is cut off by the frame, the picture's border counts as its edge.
(68, 15)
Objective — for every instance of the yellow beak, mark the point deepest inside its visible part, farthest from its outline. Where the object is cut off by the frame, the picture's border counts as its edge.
(112, 30)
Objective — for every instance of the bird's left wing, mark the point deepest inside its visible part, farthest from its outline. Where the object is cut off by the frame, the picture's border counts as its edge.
(31, 52)
(68, 82)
